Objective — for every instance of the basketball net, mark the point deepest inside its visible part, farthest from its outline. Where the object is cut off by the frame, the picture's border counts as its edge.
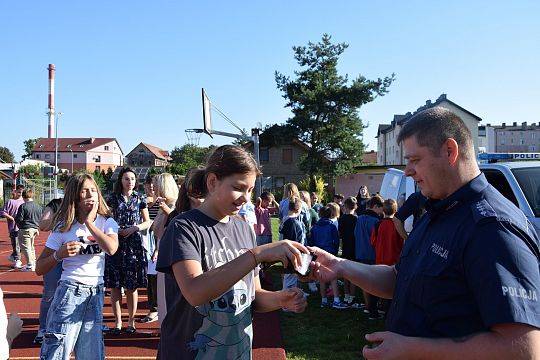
(193, 136)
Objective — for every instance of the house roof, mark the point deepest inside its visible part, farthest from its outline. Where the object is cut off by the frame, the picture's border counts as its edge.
(382, 128)
(75, 144)
(402, 118)
(294, 141)
(158, 152)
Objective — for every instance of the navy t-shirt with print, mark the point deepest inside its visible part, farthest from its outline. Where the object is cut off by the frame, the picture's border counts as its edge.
(221, 328)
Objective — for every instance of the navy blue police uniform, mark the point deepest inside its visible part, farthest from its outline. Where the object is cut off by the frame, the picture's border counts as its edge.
(470, 263)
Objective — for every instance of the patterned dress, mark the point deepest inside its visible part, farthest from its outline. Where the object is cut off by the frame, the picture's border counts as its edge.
(127, 267)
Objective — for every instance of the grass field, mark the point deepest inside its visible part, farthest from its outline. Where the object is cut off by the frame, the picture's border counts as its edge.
(323, 333)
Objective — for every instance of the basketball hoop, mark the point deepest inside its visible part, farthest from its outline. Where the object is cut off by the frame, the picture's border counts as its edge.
(194, 136)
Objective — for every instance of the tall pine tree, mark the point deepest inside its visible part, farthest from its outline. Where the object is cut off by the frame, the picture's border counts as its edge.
(325, 108)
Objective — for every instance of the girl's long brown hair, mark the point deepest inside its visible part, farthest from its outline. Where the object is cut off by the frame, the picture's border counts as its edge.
(67, 214)
(188, 189)
(224, 161)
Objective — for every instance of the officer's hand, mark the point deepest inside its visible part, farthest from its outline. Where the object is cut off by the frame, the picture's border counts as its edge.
(325, 268)
(388, 346)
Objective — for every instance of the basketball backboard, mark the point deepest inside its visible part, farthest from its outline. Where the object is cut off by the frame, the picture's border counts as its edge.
(207, 114)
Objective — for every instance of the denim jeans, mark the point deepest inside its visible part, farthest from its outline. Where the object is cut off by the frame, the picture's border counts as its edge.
(74, 323)
(16, 253)
(50, 283)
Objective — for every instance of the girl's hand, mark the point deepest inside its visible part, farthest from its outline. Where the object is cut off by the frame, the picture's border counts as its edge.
(155, 255)
(92, 214)
(128, 232)
(164, 207)
(69, 249)
(284, 251)
(293, 299)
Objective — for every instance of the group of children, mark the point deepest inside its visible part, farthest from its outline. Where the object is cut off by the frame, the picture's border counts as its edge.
(367, 235)
(207, 256)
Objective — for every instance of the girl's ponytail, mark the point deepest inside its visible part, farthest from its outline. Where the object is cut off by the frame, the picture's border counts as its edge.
(196, 182)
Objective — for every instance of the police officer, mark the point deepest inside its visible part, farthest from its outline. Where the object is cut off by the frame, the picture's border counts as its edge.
(467, 285)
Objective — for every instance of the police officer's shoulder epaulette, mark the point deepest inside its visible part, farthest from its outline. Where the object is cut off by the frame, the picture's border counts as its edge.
(481, 209)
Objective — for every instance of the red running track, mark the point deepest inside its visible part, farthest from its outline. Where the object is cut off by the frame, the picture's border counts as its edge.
(22, 294)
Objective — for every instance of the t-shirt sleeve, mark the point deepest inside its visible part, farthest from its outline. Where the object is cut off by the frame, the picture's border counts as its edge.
(503, 274)
(54, 241)
(180, 242)
(143, 204)
(408, 207)
(110, 227)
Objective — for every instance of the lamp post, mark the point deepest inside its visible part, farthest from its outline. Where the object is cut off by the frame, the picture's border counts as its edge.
(71, 151)
(56, 155)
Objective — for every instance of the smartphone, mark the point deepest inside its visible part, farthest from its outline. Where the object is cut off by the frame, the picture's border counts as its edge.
(302, 270)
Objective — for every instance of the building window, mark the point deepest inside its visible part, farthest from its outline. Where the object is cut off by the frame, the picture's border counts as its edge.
(264, 155)
(502, 141)
(532, 135)
(47, 156)
(522, 142)
(37, 156)
(287, 156)
(97, 158)
(98, 168)
(106, 148)
(74, 156)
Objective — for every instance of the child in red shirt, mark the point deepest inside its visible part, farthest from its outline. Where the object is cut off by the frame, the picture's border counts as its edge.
(385, 238)
(386, 241)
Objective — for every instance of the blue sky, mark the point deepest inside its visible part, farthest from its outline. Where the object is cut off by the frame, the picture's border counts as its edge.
(134, 69)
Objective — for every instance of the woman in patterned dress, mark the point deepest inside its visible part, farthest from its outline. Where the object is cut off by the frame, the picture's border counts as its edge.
(127, 268)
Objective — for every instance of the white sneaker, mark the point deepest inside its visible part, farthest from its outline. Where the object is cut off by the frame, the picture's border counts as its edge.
(313, 287)
(29, 267)
(17, 264)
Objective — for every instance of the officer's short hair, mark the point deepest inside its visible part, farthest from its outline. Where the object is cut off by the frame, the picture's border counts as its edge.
(432, 127)
(375, 201)
(389, 207)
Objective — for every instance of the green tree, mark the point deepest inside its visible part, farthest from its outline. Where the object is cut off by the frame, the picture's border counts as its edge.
(6, 155)
(325, 108)
(99, 178)
(188, 157)
(28, 147)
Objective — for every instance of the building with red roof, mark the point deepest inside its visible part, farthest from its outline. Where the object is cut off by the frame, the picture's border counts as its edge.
(80, 153)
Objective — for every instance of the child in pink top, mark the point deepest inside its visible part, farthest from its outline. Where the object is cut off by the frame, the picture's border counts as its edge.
(265, 207)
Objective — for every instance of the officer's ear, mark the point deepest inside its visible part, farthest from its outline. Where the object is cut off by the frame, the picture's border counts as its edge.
(451, 151)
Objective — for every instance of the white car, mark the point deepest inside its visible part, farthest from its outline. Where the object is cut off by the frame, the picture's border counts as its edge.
(518, 181)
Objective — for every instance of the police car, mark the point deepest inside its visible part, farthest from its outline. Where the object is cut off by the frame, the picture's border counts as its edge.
(518, 181)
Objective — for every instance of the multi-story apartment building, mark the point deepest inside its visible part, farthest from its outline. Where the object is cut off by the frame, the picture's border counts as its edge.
(389, 152)
(509, 138)
(80, 153)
